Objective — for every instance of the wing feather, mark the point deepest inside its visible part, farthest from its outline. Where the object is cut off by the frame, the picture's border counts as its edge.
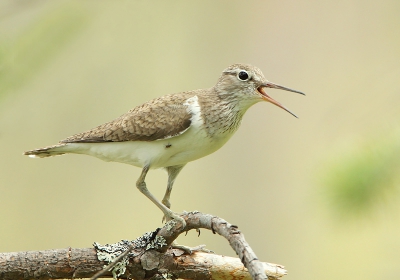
(159, 118)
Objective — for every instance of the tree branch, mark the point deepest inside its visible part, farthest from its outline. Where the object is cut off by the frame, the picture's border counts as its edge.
(150, 256)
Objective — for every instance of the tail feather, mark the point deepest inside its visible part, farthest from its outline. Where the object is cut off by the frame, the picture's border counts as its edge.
(55, 150)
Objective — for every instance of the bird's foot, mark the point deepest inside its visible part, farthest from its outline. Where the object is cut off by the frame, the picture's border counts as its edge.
(169, 215)
(191, 250)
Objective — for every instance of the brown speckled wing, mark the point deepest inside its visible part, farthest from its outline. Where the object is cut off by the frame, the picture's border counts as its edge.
(159, 118)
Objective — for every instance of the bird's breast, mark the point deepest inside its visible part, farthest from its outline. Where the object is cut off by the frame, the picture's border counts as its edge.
(209, 130)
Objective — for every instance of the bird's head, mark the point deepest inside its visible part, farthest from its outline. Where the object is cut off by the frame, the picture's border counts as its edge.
(247, 84)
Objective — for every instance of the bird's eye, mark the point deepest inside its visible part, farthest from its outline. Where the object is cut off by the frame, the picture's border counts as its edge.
(243, 76)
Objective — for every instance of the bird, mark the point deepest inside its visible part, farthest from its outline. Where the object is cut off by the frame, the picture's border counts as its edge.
(172, 130)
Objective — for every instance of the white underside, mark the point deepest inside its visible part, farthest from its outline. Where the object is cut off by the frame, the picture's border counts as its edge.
(192, 144)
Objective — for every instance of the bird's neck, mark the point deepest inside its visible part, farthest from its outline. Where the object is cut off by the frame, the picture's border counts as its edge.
(222, 114)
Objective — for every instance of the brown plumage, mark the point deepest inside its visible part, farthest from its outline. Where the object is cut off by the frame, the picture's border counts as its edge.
(159, 118)
(169, 131)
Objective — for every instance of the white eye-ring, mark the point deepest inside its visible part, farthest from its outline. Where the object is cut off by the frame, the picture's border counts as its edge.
(243, 75)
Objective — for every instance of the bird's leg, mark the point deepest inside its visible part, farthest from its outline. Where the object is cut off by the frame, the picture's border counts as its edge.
(141, 185)
(173, 172)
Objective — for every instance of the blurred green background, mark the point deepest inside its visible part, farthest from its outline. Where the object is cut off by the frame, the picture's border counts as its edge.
(319, 194)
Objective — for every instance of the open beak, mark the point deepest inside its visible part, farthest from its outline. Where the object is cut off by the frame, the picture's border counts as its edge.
(266, 97)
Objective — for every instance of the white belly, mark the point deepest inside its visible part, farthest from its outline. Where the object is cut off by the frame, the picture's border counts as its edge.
(192, 144)
(189, 146)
